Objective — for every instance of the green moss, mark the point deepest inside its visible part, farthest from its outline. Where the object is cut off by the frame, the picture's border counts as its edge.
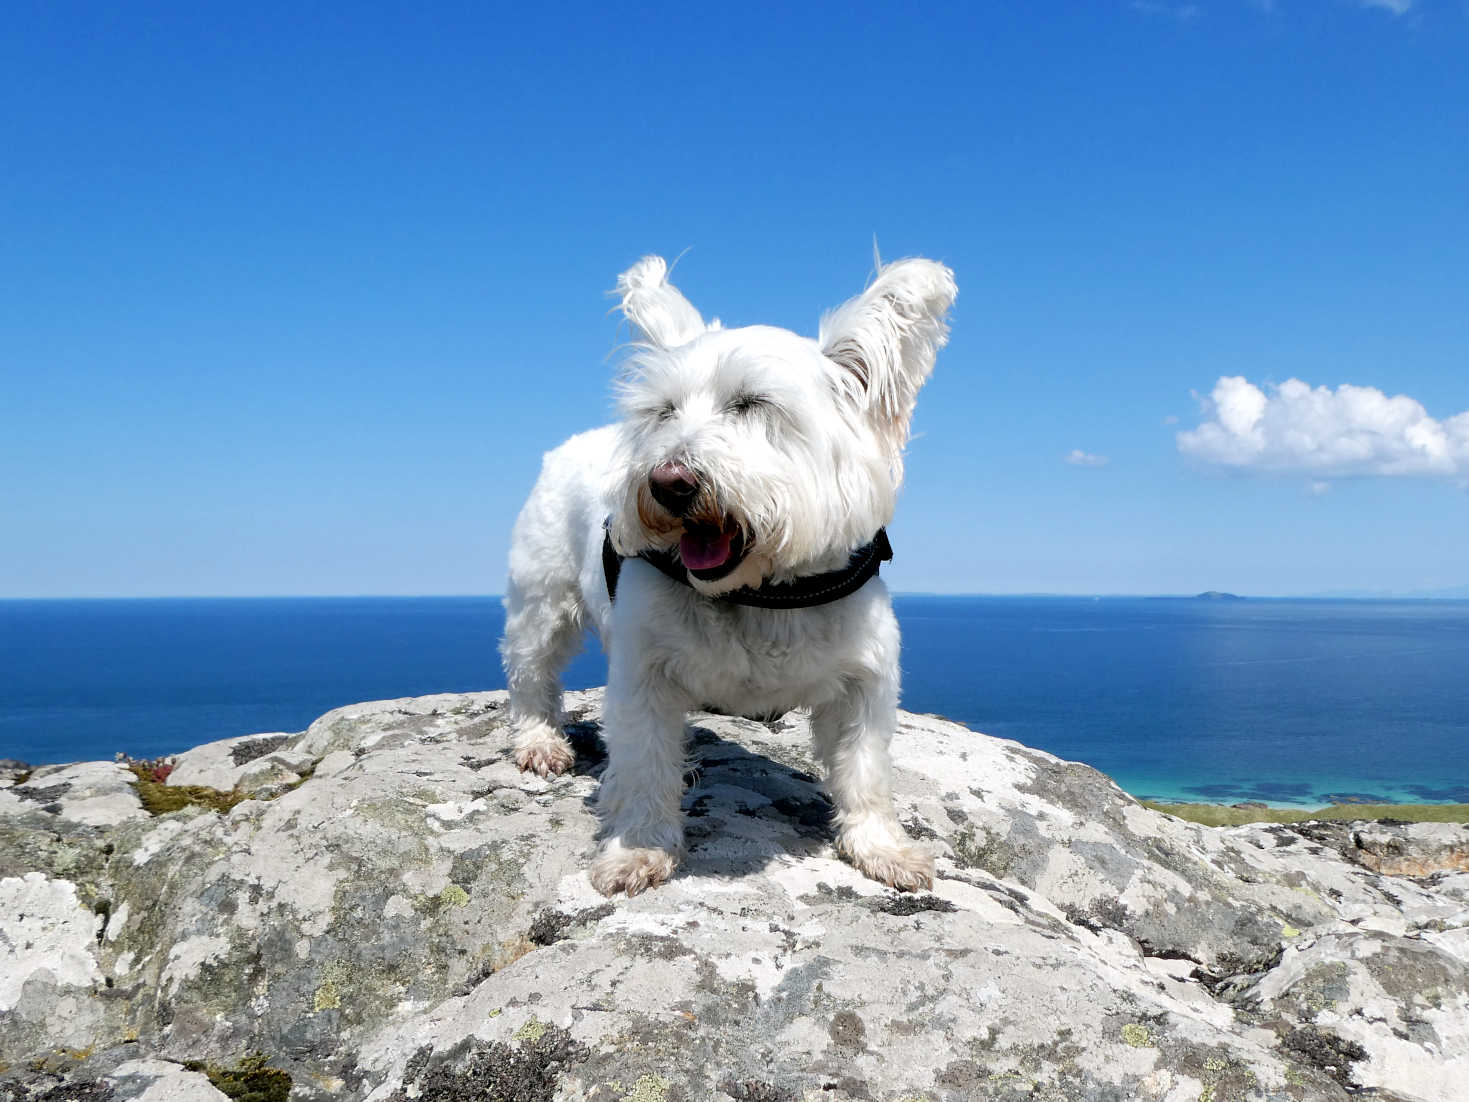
(453, 896)
(648, 1088)
(249, 1080)
(1289, 932)
(1220, 815)
(1137, 1035)
(1224, 1077)
(160, 799)
(983, 852)
(532, 1031)
(1322, 987)
(327, 997)
(336, 976)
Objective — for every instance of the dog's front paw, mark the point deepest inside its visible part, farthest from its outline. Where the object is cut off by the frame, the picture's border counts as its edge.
(908, 869)
(547, 759)
(631, 870)
(543, 749)
(900, 865)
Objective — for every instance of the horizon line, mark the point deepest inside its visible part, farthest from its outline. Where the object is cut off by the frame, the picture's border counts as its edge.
(1201, 595)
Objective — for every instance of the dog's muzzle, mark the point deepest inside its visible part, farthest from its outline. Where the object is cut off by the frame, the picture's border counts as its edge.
(710, 546)
(673, 486)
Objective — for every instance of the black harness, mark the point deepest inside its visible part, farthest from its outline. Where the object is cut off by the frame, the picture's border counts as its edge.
(817, 589)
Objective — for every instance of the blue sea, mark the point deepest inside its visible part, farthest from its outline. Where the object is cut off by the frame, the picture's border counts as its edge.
(1289, 702)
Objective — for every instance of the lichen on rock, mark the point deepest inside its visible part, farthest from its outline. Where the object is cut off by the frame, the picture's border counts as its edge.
(391, 910)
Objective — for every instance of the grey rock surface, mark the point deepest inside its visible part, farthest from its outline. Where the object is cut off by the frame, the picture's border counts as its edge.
(399, 913)
(248, 763)
(161, 1081)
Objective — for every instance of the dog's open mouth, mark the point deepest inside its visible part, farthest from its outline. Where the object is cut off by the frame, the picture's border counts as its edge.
(709, 552)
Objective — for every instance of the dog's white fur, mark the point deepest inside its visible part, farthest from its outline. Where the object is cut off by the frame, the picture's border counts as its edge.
(799, 443)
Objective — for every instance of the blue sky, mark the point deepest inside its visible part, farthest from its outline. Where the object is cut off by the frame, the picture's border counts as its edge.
(293, 297)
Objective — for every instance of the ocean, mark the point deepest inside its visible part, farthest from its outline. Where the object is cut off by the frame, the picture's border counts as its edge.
(1287, 702)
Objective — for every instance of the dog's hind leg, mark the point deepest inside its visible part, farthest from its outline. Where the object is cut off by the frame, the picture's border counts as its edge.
(543, 631)
(852, 733)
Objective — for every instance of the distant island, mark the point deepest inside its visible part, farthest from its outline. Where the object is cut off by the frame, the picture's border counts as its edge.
(1216, 595)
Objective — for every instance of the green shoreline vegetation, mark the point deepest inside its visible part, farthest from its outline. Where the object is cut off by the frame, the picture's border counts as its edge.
(1228, 815)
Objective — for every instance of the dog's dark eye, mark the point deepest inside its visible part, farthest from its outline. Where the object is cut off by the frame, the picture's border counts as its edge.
(746, 403)
(665, 411)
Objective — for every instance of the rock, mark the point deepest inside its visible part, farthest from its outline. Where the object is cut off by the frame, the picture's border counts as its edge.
(93, 793)
(1411, 849)
(248, 763)
(161, 1081)
(11, 771)
(413, 920)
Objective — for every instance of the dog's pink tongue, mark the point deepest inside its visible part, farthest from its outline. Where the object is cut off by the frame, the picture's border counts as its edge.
(704, 549)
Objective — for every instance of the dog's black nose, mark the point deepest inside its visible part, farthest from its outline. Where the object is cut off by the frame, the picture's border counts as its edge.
(673, 486)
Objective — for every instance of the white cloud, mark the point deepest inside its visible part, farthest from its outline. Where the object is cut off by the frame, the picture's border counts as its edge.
(1317, 488)
(1078, 458)
(1352, 430)
(1397, 7)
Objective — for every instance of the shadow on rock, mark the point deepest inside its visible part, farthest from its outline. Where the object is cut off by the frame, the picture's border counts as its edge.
(741, 807)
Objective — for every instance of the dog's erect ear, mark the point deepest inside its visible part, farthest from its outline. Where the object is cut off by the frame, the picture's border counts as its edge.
(886, 338)
(655, 307)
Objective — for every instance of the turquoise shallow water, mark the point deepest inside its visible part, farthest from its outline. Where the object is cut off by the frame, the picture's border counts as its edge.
(1287, 702)
(1290, 702)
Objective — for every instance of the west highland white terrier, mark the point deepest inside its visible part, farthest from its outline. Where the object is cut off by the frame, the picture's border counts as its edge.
(723, 540)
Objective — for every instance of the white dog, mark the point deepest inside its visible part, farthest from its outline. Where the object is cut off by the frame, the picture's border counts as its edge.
(737, 510)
